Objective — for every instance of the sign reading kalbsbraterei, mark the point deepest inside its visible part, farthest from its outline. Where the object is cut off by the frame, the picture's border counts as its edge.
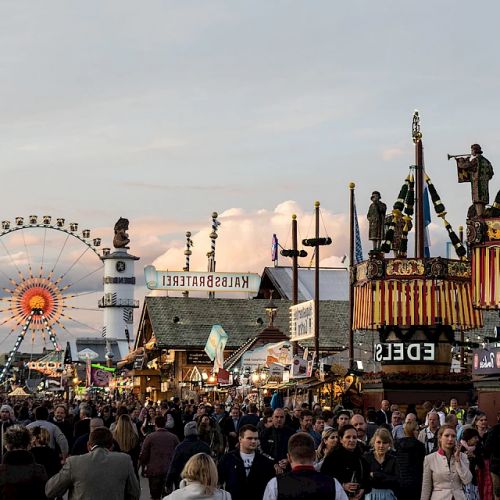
(201, 281)
(302, 321)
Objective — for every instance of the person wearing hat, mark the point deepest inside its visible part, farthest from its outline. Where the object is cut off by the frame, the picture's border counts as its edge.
(376, 219)
(7, 417)
(191, 445)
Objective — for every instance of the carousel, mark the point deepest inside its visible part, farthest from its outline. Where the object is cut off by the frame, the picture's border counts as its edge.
(421, 306)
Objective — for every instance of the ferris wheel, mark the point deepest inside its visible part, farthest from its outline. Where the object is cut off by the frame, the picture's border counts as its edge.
(50, 279)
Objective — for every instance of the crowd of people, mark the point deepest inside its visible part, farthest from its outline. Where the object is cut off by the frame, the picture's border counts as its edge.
(97, 448)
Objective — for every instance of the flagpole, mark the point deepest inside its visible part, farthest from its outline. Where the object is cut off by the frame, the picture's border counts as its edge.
(316, 283)
(419, 187)
(295, 272)
(351, 270)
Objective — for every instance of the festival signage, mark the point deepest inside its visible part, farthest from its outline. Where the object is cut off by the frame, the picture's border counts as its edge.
(399, 352)
(302, 321)
(486, 361)
(299, 368)
(223, 377)
(197, 358)
(101, 375)
(280, 352)
(179, 281)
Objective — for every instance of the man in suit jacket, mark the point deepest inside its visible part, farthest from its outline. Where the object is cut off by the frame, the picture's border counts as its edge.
(99, 474)
(384, 414)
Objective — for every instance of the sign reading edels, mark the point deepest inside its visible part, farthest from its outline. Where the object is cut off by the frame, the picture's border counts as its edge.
(405, 352)
(200, 281)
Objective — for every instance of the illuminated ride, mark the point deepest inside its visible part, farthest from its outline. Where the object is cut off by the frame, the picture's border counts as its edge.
(46, 271)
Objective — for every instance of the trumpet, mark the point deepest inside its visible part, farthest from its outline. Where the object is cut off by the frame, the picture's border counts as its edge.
(458, 156)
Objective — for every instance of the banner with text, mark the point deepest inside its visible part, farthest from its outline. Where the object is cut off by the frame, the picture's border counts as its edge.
(302, 321)
(201, 281)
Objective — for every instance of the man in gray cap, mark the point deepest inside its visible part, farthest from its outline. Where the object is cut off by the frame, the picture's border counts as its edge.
(191, 445)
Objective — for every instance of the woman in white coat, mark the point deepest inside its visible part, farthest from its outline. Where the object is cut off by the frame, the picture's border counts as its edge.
(446, 470)
(199, 481)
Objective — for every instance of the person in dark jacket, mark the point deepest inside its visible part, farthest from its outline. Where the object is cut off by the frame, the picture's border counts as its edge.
(346, 464)
(245, 472)
(384, 414)
(274, 440)
(251, 418)
(43, 453)
(384, 469)
(191, 445)
(410, 454)
(20, 477)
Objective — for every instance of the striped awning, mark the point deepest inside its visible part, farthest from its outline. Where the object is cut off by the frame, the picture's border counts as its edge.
(422, 302)
(486, 276)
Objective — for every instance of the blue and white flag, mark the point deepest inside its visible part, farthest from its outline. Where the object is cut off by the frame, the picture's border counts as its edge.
(358, 249)
(274, 249)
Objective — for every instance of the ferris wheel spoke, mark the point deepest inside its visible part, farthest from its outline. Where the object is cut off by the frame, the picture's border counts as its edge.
(17, 316)
(58, 257)
(72, 266)
(19, 273)
(81, 323)
(84, 308)
(65, 287)
(43, 252)
(79, 294)
(27, 255)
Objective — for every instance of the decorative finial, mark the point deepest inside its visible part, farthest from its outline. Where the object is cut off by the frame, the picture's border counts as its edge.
(415, 129)
(294, 217)
(316, 204)
(352, 185)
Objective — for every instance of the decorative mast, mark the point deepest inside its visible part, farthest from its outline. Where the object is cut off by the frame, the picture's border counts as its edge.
(211, 254)
(187, 253)
(419, 187)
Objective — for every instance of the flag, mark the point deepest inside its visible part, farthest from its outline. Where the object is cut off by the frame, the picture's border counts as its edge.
(358, 249)
(215, 345)
(274, 248)
(427, 221)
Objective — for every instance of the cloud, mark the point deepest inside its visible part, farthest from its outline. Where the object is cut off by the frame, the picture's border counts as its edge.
(244, 239)
(393, 153)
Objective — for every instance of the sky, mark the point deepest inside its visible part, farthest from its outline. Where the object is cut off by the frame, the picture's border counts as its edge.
(165, 111)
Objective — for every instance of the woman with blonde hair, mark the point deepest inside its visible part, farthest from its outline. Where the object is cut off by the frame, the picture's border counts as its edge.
(384, 468)
(199, 481)
(127, 438)
(446, 471)
(329, 439)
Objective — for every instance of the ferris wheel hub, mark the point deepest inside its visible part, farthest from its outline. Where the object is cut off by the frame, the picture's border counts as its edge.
(37, 302)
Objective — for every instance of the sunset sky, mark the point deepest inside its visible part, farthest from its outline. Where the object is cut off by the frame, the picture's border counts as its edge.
(164, 111)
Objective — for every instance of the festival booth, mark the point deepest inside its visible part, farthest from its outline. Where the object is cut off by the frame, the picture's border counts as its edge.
(483, 237)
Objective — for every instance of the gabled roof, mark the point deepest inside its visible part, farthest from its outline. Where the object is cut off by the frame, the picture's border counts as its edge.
(98, 345)
(185, 322)
(333, 283)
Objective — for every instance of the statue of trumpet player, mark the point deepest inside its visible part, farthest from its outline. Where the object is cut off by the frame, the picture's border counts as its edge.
(477, 170)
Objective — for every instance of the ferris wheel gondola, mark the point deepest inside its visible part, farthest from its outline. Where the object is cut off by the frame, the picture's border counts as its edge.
(49, 272)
